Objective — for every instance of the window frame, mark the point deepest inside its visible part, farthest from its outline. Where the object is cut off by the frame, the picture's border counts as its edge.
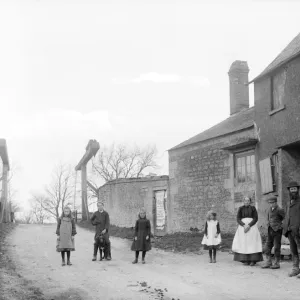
(281, 105)
(240, 154)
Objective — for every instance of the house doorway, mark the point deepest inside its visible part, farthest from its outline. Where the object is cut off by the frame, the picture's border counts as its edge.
(160, 212)
(290, 167)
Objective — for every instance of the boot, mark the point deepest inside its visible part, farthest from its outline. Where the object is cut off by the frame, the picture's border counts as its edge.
(214, 259)
(108, 252)
(268, 263)
(95, 253)
(69, 263)
(63, 263)
(276, 264)
(135, 261)
(295, 270)
(143, 261)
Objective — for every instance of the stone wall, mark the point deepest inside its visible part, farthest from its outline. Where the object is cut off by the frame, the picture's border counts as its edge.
(201, 178)
(124, 197)
(279, 128)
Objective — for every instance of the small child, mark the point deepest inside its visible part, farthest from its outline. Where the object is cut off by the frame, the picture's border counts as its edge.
(141, 240)
(212, 235)
(66, 229)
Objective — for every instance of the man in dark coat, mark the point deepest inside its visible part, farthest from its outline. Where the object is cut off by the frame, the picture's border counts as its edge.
(100, 219)
(275, 218)
(291, 225)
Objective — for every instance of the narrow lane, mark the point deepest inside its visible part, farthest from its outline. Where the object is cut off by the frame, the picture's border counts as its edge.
(164, 276)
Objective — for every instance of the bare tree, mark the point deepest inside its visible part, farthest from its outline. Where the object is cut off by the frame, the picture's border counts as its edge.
(120, 161)
(37, 208)
(25, 219)
(11, 191)
(60, 192)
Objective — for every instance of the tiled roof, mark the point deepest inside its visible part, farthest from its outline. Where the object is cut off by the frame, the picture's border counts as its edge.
(236, 122)
(291, 51)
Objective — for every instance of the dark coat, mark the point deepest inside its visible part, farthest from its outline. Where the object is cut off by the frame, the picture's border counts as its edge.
(247, 212)
(101, 221)
(292, 219)
(275, 218)
(142, 229)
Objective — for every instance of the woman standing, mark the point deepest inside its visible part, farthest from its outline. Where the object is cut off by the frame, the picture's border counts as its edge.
(141, 240)
(66, 230)
(247, 244)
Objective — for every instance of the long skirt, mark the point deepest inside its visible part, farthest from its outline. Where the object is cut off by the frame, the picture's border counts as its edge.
(247, 247)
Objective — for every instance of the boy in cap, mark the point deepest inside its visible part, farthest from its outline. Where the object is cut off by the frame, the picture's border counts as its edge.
(275, 218)
(100, 219)
(291, 226)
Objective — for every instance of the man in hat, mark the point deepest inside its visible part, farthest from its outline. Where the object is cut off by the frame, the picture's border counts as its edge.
(100, 219)
(291, 226)
(275, 218)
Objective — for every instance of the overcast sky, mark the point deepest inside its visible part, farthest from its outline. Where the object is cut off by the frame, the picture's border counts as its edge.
(143, 72)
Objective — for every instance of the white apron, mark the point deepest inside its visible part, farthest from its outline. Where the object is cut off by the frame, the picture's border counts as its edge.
(247, 243)
(211, 232)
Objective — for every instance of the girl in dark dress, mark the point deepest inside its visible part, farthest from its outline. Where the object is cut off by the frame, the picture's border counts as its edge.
(142, 235)
(247, 244)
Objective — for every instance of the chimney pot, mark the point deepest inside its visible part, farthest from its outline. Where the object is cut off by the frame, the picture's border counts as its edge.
(239, 89)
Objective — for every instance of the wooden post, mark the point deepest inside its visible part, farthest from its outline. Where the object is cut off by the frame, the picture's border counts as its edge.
(91, 150)
(85, 211)
(4, 206)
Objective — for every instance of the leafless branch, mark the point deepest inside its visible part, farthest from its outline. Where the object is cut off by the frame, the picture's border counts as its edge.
(57, 194)
(120, 161)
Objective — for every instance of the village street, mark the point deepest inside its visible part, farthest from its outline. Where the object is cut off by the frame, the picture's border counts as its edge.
(165, 276)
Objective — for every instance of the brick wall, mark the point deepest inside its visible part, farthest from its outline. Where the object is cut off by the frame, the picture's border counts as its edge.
(125, 197)
(201, 178)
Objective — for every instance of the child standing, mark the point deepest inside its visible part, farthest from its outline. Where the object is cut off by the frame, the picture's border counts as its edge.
(141, 240)
(66, 229)
(212, 235)
(275, 217)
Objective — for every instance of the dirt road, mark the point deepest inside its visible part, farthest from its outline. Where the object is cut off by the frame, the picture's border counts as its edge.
(165, 276)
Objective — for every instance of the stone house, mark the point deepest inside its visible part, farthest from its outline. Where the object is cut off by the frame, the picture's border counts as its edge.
(215, 168)
(254, 152)
(277, 115)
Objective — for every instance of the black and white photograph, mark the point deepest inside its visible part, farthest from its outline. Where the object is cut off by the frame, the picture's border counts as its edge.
(149, 149)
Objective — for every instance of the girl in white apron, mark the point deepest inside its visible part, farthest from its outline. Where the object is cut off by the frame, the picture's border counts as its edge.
(212, 235)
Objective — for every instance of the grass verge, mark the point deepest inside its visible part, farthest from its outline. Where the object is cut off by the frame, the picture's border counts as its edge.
(12, 285)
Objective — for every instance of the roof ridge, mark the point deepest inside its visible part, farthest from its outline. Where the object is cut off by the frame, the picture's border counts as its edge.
(288, 53)
(243, 124)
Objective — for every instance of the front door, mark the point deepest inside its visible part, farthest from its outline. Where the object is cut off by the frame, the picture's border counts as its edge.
(159, 212)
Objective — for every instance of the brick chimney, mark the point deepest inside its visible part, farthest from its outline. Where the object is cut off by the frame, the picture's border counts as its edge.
(239, 89)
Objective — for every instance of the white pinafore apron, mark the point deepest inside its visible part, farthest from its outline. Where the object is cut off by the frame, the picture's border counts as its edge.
(247, 243)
